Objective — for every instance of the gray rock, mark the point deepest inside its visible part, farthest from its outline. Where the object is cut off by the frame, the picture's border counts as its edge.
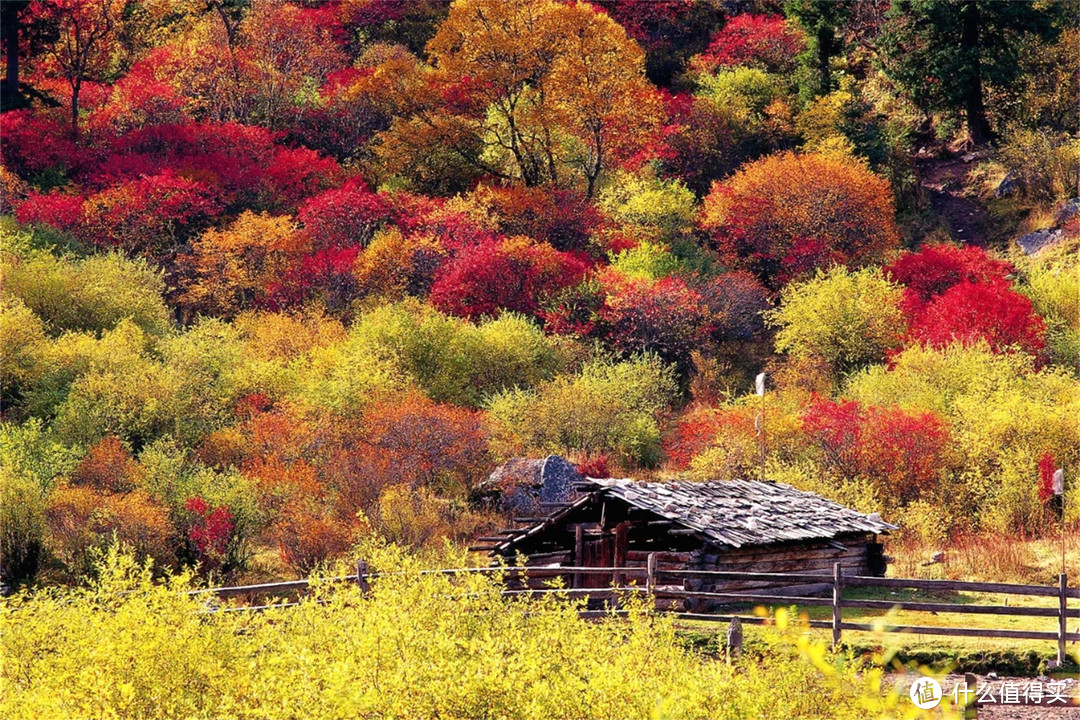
(1033, 242)
(522, 485)
(1066, 211)
(1009, 186)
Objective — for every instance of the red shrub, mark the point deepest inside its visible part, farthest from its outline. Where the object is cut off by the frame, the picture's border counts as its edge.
(35, 143)
(693, 434)
(766, 41)
(343, 217)
(209, 532)
(58, 210)
(230, 156)
(968, 312)
(595, 467)
(327, 274)
(510, 275)
(903, 451)
(1047, 466)
(936, 268)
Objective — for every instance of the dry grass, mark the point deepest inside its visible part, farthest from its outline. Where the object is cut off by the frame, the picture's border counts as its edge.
(988, 558)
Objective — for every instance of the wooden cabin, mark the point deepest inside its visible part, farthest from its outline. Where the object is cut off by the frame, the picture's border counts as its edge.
(742, 525)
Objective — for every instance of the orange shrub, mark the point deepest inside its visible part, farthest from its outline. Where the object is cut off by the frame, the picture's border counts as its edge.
(438, 446)
(108, 466)
(787, 214)
(84, 520)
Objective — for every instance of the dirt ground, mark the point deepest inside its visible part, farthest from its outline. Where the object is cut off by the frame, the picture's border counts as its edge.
(964, 216)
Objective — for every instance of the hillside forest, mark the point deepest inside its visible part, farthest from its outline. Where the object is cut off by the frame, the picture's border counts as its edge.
(279, 278)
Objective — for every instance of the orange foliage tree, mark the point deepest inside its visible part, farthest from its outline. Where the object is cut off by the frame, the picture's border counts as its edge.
(787, 214)
(83, 520)
(234, 269)
(319, 478)
(531, 90)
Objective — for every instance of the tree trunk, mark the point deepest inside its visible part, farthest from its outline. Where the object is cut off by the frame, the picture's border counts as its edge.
(75, 88)
(9, 28)
(826, 37)
(11, 37)
(974, 105)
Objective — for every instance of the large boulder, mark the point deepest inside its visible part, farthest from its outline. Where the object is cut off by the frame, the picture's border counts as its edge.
(1033, 242)
(531, 486)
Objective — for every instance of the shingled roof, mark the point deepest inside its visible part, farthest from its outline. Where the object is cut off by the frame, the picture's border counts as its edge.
(744, 512)
(734, 513)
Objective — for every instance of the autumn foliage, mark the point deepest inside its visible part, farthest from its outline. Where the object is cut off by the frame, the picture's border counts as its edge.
(969, 312)
(903, 452)
(787, 214)
(766, 41)
(279, 278)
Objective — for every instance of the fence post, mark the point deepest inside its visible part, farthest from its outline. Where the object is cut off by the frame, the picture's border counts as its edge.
(361, 575)
(734, 638)
(1063, 584)
(650, 578)
(971, 705)
(836, 606)
(579, 554)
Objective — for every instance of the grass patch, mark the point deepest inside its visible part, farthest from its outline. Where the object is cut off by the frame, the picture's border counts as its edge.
(961, 654)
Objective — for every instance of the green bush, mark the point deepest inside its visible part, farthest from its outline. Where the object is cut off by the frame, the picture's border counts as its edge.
(610, 407)
(30, 461)
(93, 294)
(848, 319)
(1046, 162)
(451, 359)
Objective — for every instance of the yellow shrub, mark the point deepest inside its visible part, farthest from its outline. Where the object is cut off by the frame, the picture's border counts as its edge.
(416, 647)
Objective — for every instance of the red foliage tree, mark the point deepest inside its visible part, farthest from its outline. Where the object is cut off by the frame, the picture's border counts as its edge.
(785, 215)
(241, 161)
(345, 216)
(972, 311)
(765, 41)
(560, 217)
(510, 275)
(665, 317)
(326, 274)
(903, 451)
(295, 174)
(151, 214)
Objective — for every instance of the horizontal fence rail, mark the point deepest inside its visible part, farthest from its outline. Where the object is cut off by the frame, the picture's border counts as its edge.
(657, 583)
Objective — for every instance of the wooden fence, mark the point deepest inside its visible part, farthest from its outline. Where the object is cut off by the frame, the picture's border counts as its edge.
(658, 584)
